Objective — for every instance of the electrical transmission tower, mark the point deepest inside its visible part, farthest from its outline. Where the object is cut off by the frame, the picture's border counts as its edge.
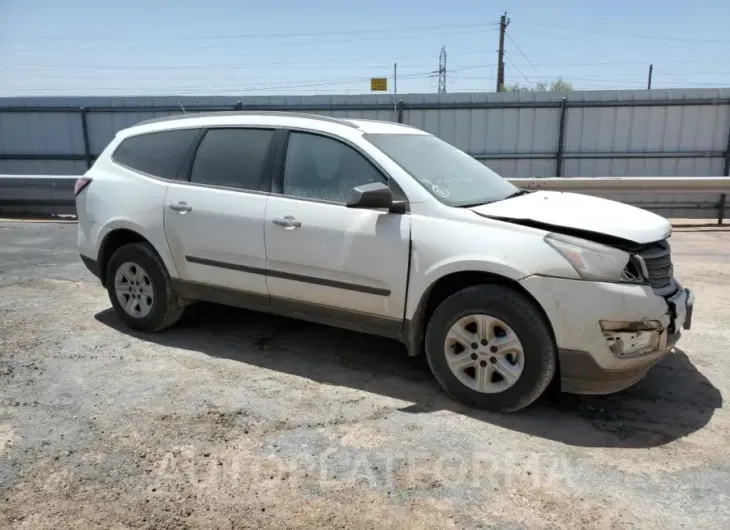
(442, 71)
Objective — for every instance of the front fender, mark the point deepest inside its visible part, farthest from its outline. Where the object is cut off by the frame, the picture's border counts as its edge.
(470, 243)
(422, 280)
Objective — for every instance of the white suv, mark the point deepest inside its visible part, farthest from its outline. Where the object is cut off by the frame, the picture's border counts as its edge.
(385, 229)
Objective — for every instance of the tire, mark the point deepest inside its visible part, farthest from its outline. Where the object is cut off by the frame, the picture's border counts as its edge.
(160, 310)
(538, 352)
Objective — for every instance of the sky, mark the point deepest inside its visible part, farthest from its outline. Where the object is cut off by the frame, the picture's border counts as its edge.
(282, 47)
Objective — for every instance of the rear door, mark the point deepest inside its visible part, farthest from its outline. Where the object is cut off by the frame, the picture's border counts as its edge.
(214, 217)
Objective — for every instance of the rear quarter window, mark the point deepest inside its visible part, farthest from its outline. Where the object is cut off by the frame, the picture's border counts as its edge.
(158, 154)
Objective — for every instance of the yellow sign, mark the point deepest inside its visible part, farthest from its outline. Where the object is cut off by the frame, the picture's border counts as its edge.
(379, 84)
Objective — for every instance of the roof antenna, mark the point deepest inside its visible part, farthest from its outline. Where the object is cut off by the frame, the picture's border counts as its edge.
(181, 106)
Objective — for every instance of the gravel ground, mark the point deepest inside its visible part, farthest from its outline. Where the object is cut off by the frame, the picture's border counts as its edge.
(240, 420)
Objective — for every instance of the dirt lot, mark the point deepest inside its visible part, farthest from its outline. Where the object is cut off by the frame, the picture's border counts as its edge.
(239, 420)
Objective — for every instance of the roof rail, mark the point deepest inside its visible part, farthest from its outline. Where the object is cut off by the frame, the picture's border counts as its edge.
(193, 114)
(384, 121)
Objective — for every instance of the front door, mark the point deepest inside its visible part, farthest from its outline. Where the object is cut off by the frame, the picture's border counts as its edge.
(214, 222)
(323, 258)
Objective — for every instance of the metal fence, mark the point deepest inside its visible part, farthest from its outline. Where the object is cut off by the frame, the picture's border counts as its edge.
(578, 134)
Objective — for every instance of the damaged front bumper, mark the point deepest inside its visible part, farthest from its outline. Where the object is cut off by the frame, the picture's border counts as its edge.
(609, 335)
(628, 339)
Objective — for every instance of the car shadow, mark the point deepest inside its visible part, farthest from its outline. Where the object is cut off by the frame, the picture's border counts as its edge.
(672, 401)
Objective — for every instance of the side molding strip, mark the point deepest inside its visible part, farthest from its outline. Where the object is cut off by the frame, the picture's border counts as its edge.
(289, 276)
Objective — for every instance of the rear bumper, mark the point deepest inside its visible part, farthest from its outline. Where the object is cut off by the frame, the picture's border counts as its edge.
(88, 242)
(92, 265)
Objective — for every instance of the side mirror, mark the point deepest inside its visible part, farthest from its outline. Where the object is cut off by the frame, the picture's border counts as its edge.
(373, 196)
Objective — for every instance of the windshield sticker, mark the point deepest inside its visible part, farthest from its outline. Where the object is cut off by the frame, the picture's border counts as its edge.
(438, 190)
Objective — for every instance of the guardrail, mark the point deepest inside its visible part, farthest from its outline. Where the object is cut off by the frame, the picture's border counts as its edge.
(53, 194)
(37, 194)
(608, 186)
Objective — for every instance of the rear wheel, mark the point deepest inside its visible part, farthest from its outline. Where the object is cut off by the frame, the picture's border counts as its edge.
(140, 288)
(490, 347)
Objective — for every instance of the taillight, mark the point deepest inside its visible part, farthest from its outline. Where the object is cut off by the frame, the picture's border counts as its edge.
(81, 185)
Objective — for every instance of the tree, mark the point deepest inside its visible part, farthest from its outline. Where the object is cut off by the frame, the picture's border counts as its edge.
(559, 85)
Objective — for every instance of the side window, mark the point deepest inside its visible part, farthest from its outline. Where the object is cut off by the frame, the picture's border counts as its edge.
(158, 154)
(318, 167)
(234, 158)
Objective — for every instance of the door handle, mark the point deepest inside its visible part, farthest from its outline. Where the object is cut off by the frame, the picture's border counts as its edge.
(287, 222)
(181, 207)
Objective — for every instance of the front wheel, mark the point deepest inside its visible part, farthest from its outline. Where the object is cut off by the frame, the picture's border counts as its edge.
(490, 347)
(140, 289)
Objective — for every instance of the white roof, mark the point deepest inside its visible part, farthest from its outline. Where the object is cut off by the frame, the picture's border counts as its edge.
(340, 126)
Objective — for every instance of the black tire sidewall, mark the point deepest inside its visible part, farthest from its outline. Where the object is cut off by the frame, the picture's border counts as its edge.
(522, 317)
(144, 257)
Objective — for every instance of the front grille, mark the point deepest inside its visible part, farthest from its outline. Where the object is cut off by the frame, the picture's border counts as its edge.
(658, 260)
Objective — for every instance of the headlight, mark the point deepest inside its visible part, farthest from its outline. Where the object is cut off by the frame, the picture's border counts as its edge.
(592, 261)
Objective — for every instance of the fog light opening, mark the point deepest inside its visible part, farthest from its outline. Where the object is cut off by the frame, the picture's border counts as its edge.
(632, 338)
(629, 325)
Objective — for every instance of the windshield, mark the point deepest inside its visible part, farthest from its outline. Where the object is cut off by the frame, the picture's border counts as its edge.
(449, 174)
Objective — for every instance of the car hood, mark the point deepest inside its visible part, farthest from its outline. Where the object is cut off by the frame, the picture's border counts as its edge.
(553, 210)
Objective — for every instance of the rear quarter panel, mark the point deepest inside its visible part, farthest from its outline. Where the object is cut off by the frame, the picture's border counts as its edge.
(119, 198)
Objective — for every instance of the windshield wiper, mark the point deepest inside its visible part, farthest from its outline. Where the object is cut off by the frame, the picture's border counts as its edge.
(517, 194)
(472, 205)
(482, 203)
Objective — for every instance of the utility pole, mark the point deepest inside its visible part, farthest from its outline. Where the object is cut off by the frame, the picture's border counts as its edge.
(442, 71)
(395, 79)
(651, 70)
(503, 23)
(395, 86)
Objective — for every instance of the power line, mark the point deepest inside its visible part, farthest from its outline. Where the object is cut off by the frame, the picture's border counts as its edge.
(214, 90)
(627, 77)
(262, 35)
(607, 63)
(274, 85)
(267, 45)
(324, 64)
(270, 66)
(129, 77)
(306, 65)
(203, 78)
(676, 76)
(177, 84)
(696, 73)
(591, 31)
(208, 66)
(591, 79)
(638, 75)
(519, 72)
(605, 43)
(521, 52)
